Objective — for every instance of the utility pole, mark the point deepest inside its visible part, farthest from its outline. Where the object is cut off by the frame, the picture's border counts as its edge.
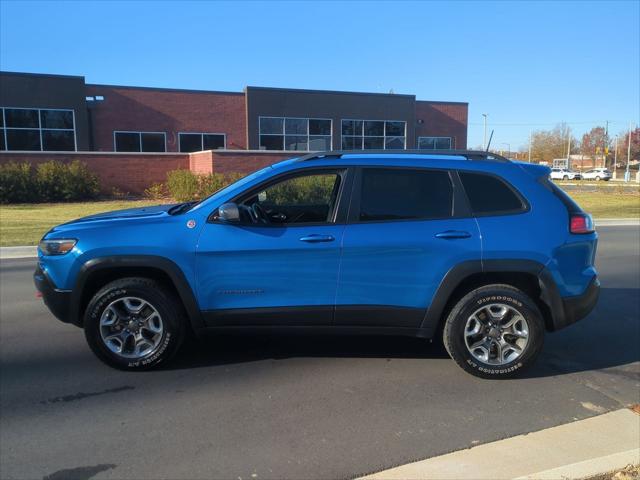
(605, 145)
(626, 173)
(484, 141)
(615, 159)
(529, 146)
(569, 151)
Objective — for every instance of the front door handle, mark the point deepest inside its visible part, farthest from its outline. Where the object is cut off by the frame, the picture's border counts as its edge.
(452, 234)
(314, 238)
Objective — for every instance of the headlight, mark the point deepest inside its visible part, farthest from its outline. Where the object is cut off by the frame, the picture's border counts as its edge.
(57, 247)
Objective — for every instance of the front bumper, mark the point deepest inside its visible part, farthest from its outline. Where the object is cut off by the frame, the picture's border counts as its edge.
(58, 301)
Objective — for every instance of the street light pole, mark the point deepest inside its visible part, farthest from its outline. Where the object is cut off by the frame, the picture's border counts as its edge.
(529, 146)
(484, 141)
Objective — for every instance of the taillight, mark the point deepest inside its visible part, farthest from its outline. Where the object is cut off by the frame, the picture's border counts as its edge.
(581, 223)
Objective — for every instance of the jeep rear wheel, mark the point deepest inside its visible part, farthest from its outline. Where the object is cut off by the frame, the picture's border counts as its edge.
(494, 332)
(134, 324)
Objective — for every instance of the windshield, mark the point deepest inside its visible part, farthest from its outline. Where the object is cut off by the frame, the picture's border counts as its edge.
(232, 186)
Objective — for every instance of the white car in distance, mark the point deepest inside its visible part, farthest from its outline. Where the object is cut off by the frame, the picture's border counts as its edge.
(564, 174)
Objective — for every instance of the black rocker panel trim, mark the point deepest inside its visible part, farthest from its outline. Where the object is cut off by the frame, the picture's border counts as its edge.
(115, 262)
(312, 315)
(378, 316)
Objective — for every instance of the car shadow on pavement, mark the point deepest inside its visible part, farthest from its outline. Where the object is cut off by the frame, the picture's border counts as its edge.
(607, 338)
(230, 349)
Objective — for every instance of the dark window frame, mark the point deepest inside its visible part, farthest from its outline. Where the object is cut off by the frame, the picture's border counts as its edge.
(139, 133)
(284, 133)
(340, 210)
(526, 207)
(363, 137)
(435, 138)
(42, 130)
(202, 134)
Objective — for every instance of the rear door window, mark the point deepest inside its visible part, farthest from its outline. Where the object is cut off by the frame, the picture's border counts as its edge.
(489, 195)
(405, 194)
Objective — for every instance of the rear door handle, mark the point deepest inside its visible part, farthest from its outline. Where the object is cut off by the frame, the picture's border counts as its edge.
(452, 234)
(314, 238)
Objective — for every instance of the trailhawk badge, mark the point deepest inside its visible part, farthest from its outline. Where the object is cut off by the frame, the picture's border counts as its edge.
(191, 223)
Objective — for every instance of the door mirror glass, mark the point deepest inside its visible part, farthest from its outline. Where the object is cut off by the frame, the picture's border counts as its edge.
(229, 212)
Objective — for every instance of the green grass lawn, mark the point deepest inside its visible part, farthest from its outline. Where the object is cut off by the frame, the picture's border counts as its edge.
(608, 204)
(24, 224)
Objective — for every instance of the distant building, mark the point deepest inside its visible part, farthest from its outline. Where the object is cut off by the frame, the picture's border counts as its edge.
(63, 113)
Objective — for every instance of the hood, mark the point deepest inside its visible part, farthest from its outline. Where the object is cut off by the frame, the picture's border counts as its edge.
(129, 213)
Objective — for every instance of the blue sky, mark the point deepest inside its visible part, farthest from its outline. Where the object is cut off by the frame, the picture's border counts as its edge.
(528, 65)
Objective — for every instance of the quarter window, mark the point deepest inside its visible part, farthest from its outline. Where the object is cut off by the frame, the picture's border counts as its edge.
(197, 142)
(139, 141)
(287, 133)
(434, 143)
(373, 135)
(37, 129)
(490, 195)
(399, 194)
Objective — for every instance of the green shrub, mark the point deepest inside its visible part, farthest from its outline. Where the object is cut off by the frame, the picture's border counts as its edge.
(49, 182)
(16, 183)
(79, 183)
(156, 191)
(182, 185)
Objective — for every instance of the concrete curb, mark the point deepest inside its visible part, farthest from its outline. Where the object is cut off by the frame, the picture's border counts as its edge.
(617, 222)
(18, 252)
(575, 450)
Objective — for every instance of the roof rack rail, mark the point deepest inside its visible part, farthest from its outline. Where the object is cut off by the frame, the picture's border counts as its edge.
(468, 154)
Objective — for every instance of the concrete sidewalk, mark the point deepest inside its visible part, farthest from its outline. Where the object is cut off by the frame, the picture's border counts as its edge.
(18, 252)
(574, 450)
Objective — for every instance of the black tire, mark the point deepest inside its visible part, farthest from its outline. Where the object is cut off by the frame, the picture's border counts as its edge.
(566, 177)
(454, 330)
(159, 298)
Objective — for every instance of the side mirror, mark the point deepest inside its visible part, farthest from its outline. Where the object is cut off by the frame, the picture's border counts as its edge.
(229, 212)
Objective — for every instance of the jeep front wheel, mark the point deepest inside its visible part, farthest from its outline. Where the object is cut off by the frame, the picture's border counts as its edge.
(494, 331)
(134, 324)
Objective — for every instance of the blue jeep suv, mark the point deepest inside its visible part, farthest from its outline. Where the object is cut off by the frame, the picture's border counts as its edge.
(484, 251)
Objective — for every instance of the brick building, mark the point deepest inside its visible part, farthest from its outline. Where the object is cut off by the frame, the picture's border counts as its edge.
(149, 130)
(63, 113)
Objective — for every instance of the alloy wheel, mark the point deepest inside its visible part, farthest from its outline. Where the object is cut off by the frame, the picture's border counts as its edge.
(131, 327)
(496, 334)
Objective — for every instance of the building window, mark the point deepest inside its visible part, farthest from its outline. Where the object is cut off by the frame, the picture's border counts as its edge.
(284, 133)
(139, 141)
(37, 129)
(197, 142)
(373, 135)
(434, 143)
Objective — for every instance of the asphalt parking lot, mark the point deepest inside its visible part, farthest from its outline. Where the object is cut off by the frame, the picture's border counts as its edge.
(294, 407)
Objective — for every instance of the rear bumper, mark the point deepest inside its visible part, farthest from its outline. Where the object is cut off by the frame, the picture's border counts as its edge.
(58, 301)
(578, 307)
(564, 311)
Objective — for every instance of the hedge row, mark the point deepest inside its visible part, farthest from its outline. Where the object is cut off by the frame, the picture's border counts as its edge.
(184, 185)
(48, 182)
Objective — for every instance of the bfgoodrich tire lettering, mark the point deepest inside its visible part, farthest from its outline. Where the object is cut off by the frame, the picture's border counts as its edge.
(160, 339)
(503, 306)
